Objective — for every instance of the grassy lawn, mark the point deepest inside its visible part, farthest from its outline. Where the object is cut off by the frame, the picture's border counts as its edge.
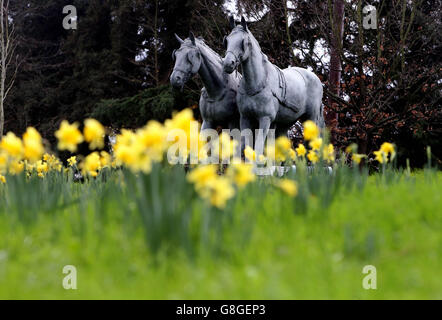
(264, 245)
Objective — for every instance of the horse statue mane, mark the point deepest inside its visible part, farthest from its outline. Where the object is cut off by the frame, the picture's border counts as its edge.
(240, 28)
(201, 44)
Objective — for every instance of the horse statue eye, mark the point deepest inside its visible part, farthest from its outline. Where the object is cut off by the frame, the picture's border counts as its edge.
(173, 55)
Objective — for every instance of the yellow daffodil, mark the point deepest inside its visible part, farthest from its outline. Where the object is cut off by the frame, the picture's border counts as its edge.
(33, 146)
(94, 133)
(218, 191)
(72, 161)
(125, 155)
(153, 140)
(241, 173)
(250, 154)
(29, 167)
(385, 153)
(316, 144)
(288, 186)
(91, 164)
(380, 156)
(311, 130)
(202, 175)
(301, 150)
(388, 149)
(129, 150)
(312, 156)
(227, 147)
(16, 167)
(292, 154)
(12, 145)
(210, 186)
(2, 179)
(127, 138)
(283, 143)
(105, 159)
(3, 161)
(53, 162)
(329, 153)
(182, 121)
(42, 168)
(282, 148)
(357, 158)
(68, 136)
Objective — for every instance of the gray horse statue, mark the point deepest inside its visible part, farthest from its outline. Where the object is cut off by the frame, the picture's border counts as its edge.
(218, 97)
(268, 96)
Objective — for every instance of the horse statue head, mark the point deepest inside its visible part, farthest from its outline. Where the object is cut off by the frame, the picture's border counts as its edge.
(187, 61)
(237, 45)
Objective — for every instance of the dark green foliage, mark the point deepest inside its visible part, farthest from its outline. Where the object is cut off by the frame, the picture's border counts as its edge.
(133, 112)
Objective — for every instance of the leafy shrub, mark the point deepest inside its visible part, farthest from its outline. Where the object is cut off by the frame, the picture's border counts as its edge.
(154, 103)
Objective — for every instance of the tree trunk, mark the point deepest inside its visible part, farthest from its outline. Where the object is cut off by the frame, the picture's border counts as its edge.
(7, 47)
(337, 32)
(287, 29)
(157, 68)
(3, 67)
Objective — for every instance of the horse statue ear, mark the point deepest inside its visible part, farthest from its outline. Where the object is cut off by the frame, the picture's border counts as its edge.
(179, 39)
(173, 55)
(192, 38)
(225, 42)
(244, 23)
(232, 22)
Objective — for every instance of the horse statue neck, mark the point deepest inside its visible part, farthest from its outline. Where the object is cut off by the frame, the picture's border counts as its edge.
(254, 68)
(211, 72)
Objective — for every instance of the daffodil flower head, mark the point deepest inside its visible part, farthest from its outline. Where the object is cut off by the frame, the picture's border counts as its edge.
(16, 167)
(380, 156)
(218, 191)
(301, 150)
(357, 158)
(105, 159)
(68, 136)
(250, 154)
(12, 145)
(388, 149)
(329, 153)
(312, 156)
(316, 143)
(91, 164)
(227, 147)
(288, 186)
(72, 161)
(283, 146)
(241, 174)
(202, 175)
(33, 146)
(311, 130)
(94, 133)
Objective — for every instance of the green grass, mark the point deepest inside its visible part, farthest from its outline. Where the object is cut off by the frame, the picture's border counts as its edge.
(152, 238)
